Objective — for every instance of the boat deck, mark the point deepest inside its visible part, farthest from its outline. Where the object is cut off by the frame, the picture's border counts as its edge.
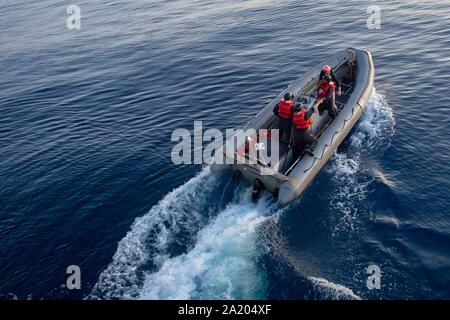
(320, 123)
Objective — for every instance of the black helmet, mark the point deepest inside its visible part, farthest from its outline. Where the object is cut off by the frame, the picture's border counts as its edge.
(303, 100)
(328, 78)
(288, 96)
(298, 107)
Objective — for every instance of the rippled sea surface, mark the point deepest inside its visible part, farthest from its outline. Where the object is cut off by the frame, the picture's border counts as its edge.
(86, 178)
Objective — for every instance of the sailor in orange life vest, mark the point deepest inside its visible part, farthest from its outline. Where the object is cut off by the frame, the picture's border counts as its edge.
(326, 71)
(284, 110)
(326, 96)
(304, 141)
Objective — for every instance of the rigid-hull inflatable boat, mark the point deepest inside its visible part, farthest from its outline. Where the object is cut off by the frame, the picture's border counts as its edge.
(289, 177)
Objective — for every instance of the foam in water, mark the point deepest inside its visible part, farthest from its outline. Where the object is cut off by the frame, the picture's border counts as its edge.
(332, 291)
(222, 265)
(222, 262)
(375, 128)
(182, 210)
(350, 180)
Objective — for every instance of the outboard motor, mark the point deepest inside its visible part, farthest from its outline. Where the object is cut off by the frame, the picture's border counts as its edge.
(258, 187)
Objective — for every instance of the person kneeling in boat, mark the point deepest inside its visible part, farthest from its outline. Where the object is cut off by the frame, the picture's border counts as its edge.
(326, 71)
(304, 141)
(326, 97)
(283, 110)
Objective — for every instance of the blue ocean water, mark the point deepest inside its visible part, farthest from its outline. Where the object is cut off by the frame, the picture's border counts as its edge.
(86, 176)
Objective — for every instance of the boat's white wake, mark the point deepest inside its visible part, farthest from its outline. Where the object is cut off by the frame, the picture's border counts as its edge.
(332, 291)
(349, 169)
(184, 211)
(221, 263)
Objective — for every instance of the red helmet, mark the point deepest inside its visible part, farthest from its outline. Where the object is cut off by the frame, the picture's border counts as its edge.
(326, 68)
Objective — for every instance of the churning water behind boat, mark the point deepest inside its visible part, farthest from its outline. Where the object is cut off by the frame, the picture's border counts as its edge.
(223, 260)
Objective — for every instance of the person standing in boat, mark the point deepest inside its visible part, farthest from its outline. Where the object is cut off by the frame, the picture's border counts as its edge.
(326, 71)
(326, 96)
(284, 110)
(304, 141)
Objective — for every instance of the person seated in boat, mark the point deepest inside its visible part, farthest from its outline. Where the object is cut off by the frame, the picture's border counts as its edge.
(326, 96)
(304, 141)
(283, 110)
(326, 71)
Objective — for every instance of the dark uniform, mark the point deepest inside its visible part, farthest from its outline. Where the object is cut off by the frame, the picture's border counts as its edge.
(333, 78)
(284, 110)
(304, 141)
(327, 93)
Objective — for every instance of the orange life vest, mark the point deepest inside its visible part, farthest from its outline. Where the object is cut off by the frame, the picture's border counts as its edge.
(299, 120)
(323, 89)
(284, 109)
